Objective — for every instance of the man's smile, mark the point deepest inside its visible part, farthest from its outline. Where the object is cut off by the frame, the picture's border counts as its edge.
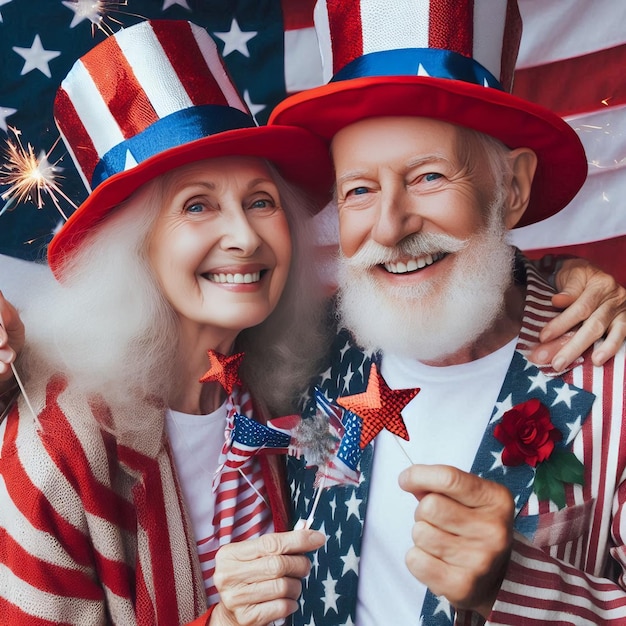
(414, 264)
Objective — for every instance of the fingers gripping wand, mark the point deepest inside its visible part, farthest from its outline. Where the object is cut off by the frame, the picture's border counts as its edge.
(20, 384)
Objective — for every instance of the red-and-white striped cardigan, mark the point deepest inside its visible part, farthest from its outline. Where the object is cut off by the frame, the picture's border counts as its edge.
(93, 530)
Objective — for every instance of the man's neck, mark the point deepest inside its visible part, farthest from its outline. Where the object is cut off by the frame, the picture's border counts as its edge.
(506, 327)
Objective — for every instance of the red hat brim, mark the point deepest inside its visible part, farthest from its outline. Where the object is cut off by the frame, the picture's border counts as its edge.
(301, 158)
(562, 164)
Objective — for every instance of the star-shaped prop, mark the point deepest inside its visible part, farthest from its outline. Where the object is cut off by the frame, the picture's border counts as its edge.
(379, 407)
(224, 369)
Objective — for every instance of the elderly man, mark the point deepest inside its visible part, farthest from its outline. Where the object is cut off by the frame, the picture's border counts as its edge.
(516, 471)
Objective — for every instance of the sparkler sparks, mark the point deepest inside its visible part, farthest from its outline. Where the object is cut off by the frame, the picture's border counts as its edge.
(96, 11)
(29, 177)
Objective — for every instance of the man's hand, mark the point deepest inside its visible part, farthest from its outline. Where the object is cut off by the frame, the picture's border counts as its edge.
(462, 534)
(593, 298)
(11, 341)
(259, 580)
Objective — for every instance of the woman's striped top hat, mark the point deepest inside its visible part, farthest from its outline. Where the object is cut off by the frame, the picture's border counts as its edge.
(451, 60)
(156, 96)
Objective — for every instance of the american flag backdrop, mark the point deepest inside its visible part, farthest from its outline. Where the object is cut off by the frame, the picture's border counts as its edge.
(572, 58)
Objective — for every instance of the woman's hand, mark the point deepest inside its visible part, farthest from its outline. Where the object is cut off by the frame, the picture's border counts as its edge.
(259, 580)
(594, 306)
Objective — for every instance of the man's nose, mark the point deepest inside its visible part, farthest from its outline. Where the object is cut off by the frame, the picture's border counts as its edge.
(397, 217)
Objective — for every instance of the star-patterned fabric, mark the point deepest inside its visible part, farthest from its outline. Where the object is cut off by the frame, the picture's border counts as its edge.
(330, 591)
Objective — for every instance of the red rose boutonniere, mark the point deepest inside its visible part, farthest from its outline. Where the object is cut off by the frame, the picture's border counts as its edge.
(529, 436)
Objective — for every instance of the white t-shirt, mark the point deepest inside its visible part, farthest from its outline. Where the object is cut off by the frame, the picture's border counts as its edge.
(446, 423)
(196, 442)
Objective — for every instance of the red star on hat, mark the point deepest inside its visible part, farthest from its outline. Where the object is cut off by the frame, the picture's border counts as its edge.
(379, 407)
(224, 369)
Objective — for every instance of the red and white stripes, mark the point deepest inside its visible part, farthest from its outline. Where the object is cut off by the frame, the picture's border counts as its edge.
(241, 507)
(484, 30)
(97, 109)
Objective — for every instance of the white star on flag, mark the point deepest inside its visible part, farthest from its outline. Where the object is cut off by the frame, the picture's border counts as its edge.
(254, 108)
(236, 39)
(170, 3)
(85, 10)
(4, 113)
(1, 3)
(539, 381)
(565, 394)
(36, 57)
(502, 408)
(574, 427)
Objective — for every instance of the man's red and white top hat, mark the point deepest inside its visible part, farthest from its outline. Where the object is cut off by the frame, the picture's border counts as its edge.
(451, 60)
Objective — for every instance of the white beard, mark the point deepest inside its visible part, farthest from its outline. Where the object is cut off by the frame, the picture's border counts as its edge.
(434, 318)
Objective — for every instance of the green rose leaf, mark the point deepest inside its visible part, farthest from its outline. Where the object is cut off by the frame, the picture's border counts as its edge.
(548, 487)
(551, 476)
(566, 467)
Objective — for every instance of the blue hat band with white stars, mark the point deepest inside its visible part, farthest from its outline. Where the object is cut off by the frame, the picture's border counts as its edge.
(432, 62)
(176, 129)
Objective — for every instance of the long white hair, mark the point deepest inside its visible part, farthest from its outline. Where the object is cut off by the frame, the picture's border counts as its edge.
(108, 329)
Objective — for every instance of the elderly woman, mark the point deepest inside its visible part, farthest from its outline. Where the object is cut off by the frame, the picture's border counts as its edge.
(123, 468)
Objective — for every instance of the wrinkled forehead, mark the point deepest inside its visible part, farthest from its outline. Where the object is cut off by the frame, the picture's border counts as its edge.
(381, 139)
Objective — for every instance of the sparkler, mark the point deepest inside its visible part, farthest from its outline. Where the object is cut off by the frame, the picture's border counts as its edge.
(96, 11)
(29, 177)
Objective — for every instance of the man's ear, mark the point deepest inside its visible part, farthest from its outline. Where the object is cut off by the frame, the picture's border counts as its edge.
(523, 165)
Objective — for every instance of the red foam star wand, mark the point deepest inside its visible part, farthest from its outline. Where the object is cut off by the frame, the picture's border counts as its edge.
(224, 370)
(379, 407)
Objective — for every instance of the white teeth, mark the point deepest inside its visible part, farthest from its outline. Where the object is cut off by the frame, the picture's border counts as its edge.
(413, 264)
(235, 279)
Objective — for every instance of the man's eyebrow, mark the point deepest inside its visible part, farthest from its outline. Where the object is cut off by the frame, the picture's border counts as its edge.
(414, 162)
(350, 175)
(428, 159)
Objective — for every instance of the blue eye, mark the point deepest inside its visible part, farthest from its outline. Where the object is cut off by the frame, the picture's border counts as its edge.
(432, 176)
(359, 191)
(264, 202)
(196, 207)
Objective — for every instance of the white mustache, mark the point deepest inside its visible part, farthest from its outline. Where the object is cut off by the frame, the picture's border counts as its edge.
(419, 244)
